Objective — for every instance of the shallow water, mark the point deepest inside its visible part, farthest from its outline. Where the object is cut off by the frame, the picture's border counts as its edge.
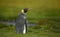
(13, 23)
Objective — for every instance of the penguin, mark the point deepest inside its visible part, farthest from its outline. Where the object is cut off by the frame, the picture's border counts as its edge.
(21, 22)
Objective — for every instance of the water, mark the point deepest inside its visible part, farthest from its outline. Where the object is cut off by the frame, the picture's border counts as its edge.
(13, 23)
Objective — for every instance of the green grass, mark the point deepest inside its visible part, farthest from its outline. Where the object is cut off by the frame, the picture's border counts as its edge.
(11, 13)
(44, 12)
(10, 32)
(10, 9)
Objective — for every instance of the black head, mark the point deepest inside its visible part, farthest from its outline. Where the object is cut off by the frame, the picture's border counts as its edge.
(25, 10)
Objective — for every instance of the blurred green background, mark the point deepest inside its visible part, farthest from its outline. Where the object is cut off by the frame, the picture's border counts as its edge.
(10, 9)
(46, 13)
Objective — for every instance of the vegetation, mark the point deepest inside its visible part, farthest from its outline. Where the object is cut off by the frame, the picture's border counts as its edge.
(10, 32)
(46, 13)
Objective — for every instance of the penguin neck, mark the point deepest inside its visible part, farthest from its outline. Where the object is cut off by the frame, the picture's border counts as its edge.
(23, 13)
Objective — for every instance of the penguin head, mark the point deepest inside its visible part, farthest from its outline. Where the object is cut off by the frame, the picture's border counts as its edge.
(24, 10)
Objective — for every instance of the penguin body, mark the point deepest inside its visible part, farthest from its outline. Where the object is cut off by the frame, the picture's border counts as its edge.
(21, 23)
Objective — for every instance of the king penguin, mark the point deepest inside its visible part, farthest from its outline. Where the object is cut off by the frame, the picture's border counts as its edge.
(21, 22)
